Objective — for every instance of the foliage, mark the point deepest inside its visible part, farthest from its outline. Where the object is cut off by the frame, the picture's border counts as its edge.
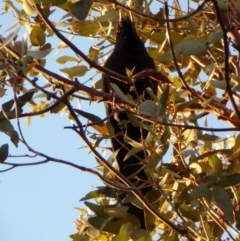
(193, 167)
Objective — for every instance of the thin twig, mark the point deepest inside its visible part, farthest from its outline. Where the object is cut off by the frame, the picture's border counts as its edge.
(156, 19)
(78, 51)
(226, 62)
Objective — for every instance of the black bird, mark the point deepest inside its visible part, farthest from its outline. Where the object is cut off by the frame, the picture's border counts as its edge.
(129, 53)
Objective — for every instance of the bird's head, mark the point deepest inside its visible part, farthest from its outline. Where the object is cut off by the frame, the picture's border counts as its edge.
(125, 24)
(126, 29)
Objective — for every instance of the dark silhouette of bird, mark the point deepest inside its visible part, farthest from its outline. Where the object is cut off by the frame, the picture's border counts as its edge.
(129, 53)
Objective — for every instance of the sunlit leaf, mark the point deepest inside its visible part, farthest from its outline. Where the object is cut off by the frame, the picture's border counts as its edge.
(37, 36)
(79, 237)
(39, 54)
(101, 192)
(65, 59)
(223, 201)
(86, 28)
(189, 212)
(93, 53)
(28, 7)
(75, 71)
(189, 135)
(50, 3)
(8, 39)
(124, 233)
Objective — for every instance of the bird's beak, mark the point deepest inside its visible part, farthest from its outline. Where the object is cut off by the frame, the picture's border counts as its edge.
(121, 17)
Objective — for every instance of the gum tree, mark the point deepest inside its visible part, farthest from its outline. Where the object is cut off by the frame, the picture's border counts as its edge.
(193, 162)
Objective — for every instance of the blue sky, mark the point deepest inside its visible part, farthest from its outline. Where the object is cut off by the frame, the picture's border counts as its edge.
(37, 202)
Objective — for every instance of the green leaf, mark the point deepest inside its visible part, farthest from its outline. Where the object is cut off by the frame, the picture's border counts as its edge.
(109, 15)
(219, 84)
(134, 120)
(2, 90)
(21, 101)
(237, 217)
(189, 212)
(148, 108)
(132, 152)
(207, 137)
(101, 192)
(191, 46)
(210, 153)
(216, 163)
(93, 232)
(229, 180)
(202, 191)
(7, 106)
(9, 38)
(50, 3)
(223, 7)
(236, 149)
(140, 235)
(93, 118)
(79, 9)
(106, 224)
(22, 17)
(93, 53)
(121, 213)
(107, 191)
(110, 160)
(3, 153)
(215, 229)
(182, 106)
(79, 237)
(120, 93)
(39, 54)
(58, 108)
(195, 168)
(162, 104)
(133, 199)
(223, 201)
(189, 135)
(86, 28)
(92, 194)
(117, 212)
(154, 37)
(106, 217)
(208, 230)
(124, 233)
(98, 209)
(75, 71)
(37, 36)
(174, 236)
(154, 198)
(64, 59)
(7, 128)
(177, 82)
(28, 7)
